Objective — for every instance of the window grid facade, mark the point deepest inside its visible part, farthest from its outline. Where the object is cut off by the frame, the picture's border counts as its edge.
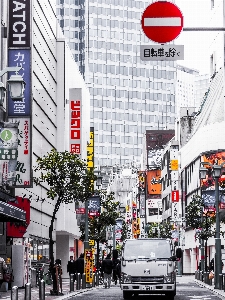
(128, 95)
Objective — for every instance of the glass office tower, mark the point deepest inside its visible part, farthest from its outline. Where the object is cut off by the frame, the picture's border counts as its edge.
(128, 96)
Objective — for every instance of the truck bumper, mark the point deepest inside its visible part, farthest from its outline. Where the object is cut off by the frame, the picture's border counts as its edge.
(149, 288)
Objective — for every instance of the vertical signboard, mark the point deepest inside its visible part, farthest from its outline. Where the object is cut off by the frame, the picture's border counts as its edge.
(8, 152)
(20, 58)
(90, 150)
(23, 170)
(19, 55)
(19, 24)
(75, 126)
(174, 175)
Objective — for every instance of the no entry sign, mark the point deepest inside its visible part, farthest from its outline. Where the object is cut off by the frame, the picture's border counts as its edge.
(162, 21)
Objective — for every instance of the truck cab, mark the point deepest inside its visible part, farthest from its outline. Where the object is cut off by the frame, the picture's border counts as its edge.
(148, 267)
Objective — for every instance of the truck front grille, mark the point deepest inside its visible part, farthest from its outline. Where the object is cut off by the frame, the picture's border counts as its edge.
(147, 279)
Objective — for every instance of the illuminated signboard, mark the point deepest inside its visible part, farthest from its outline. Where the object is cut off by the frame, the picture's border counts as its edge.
(75, 96)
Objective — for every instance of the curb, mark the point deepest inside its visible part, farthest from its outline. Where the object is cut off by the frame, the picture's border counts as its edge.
(70, 295)
(209, 287)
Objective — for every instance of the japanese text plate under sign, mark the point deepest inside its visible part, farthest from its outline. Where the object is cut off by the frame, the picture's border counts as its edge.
(162, 52)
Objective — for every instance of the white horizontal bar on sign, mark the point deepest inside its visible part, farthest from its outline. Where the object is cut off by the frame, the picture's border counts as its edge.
(176, 21)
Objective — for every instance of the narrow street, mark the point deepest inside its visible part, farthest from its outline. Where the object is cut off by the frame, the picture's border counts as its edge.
(187, 289)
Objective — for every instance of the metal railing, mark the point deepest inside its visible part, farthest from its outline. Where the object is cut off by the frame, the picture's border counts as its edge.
(80, 283)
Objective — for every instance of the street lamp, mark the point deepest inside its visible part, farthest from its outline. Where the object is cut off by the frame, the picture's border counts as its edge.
(216, 174)
(16, 85)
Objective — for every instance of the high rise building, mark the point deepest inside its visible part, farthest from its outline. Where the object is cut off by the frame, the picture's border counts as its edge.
(128, 95)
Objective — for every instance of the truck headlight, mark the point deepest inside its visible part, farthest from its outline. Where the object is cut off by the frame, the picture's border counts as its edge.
(169, 278)
(126, 278)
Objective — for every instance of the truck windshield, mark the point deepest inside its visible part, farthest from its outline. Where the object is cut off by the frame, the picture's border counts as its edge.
(147, 249)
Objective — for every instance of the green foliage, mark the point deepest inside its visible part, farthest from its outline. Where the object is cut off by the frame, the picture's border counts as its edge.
(200, 219)
(67, 176)
(162, 230)
(98, 224)
(124, 231)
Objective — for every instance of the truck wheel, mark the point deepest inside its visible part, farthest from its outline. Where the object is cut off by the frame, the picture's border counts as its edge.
(170, 296)
(126, 295)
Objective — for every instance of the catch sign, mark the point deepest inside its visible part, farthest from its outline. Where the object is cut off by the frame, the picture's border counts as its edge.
(162, 21)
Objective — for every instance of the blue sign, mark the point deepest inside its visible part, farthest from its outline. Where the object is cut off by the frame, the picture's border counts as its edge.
(20, 58)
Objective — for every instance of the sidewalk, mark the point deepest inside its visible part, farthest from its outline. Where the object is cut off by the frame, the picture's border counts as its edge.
(189, 278)
(210, 287)
(35, 292)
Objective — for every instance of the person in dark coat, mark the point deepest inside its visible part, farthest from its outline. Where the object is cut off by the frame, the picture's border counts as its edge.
(71, 266)
(115, 261)
(107, 267)
(79, 264)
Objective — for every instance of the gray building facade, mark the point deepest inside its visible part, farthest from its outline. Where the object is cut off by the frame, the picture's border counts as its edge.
(128, 95)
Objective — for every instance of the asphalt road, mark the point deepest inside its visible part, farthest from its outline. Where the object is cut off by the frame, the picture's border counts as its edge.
(185, 291)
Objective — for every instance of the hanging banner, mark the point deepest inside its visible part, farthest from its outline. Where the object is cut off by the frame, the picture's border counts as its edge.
(23, 167)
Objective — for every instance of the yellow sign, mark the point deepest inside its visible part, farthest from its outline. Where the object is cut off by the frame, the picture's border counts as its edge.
(89, 265)
(174, 164)
(91, 242)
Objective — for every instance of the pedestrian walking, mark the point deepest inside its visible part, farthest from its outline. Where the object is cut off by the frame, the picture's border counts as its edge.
(115, 261)
(71, 269)
(79, 264)
(107, 267)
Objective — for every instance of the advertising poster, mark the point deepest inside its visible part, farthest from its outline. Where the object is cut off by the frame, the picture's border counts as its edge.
(94, 207)
(154, 182)
(208, 184)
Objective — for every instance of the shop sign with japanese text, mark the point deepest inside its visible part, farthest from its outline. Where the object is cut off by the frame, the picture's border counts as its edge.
(75, 96)
(23, 167)
(20, 58)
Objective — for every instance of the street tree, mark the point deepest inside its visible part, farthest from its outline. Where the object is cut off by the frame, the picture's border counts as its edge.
(162, 230)
(98, 225)
(200, 218)
(68, 180)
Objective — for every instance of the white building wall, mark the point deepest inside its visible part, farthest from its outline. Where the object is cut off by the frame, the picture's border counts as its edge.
(54, 72)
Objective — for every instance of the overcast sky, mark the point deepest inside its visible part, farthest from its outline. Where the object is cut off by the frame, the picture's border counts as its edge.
(196, 14)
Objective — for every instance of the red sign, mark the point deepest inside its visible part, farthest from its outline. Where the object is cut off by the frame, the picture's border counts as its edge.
(162, 21)
(18, 229)
(175, 196)
(80, 211)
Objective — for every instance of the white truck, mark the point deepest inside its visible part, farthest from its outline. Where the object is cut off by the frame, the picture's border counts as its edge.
(147, 267)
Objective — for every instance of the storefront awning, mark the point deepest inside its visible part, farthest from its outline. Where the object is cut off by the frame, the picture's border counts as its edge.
(10, 213)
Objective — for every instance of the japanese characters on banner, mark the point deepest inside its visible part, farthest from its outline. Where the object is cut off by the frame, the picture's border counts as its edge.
(90, 150)
(19, 55)
(75, 98)
(128, 219)
(8, 152)
(89, 258)
(20, 58)
(23, 170)
(154, 182)
(175, 195)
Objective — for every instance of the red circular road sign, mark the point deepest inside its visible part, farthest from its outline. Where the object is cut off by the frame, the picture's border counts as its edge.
(162, 21)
